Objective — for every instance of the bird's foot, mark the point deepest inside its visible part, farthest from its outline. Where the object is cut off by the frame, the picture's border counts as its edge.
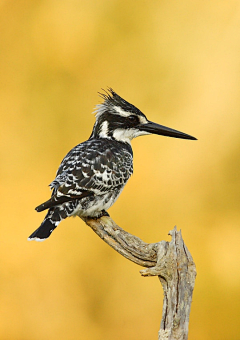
(101, 214)
(105, 213)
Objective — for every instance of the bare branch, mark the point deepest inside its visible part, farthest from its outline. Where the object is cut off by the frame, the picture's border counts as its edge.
(170, 261)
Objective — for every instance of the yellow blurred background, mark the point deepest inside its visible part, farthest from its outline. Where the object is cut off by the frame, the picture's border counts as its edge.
(178, 62)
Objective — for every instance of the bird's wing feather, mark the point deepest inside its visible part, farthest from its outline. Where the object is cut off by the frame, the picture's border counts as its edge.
(91, 168)
(56, 200)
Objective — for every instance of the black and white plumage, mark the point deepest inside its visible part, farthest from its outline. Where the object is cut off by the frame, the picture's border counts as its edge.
(93, 174)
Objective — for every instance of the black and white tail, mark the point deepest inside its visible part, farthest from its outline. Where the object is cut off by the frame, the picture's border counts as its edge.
(44, 231)
(54, 216)
(51, 221)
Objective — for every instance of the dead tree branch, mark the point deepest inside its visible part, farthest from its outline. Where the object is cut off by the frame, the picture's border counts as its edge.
(170, 261)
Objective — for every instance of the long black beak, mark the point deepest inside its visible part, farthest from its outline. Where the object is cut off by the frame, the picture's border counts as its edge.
(163, 131)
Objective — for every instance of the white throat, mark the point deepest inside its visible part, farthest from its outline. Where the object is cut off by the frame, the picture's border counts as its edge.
(126, 135)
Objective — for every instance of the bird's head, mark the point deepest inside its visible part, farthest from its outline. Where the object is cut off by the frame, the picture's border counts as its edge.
(119, 120)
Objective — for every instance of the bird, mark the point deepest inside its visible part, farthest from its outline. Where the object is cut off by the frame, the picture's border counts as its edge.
(93, 174)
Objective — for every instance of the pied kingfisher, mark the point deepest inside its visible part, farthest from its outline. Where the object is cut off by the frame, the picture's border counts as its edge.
(93, 174)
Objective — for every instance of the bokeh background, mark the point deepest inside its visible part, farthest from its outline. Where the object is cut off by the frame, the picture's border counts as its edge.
(179, 62)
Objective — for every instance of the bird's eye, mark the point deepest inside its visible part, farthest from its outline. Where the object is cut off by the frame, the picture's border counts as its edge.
(133, 119)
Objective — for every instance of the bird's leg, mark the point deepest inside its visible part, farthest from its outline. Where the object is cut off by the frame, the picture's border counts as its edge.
(101, 214)
(104, 213)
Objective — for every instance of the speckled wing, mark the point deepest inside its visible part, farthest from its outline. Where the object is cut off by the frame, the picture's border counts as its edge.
(92, 168)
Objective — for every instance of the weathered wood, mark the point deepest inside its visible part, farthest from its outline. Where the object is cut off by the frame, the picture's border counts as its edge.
(170, 261)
